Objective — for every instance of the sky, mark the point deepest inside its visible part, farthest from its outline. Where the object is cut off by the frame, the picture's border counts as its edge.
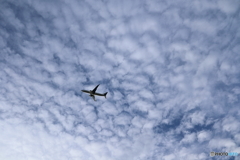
(170, 67)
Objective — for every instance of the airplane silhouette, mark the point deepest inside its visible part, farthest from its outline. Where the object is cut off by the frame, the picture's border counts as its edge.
(93, 93)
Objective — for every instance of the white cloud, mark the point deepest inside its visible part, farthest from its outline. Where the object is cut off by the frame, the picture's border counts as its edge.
(230, 124)
(204, 136)
(169, 157)
(237, 138)
(123, 119)
(189, 138)
(218, 143)
(170, 69)
(228, 6)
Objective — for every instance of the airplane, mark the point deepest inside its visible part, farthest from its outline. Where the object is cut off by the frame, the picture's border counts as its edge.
(93, 93)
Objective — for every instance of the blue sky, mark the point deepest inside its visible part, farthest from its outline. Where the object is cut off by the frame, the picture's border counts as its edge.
(171, 70)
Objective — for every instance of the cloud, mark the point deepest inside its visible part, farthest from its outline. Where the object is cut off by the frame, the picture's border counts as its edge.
(204, 136)
(218, 144)
(228, 6)
(171, 70)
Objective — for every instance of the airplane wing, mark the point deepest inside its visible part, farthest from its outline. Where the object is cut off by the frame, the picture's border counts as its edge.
(94, 90)
(85, 91)
(93, 97)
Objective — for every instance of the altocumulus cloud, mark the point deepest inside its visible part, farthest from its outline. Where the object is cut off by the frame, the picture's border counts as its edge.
(171, 69)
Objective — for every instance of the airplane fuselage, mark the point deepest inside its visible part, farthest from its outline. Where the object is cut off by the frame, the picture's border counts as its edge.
(93, 93)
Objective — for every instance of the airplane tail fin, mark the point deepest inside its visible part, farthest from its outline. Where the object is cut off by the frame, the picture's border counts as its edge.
(105, 94)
